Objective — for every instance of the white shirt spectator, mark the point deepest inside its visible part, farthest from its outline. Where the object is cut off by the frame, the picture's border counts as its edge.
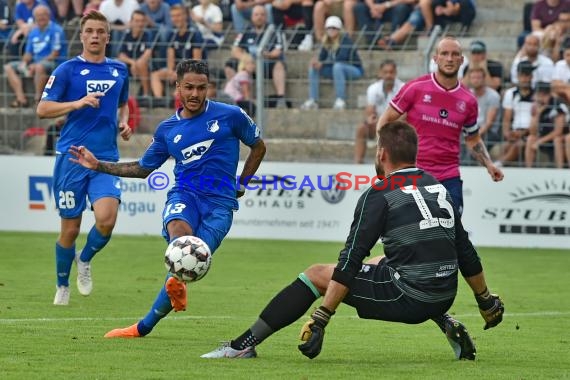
(212, 15)
(118, 10)
(521, 106)
(375, 95)
(544, 68)
(561, 71)
(490, 99)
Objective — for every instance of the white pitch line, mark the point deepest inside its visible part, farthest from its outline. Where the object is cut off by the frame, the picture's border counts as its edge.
(196, 317)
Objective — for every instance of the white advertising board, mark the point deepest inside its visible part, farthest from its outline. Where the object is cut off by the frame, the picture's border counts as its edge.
(299, 201)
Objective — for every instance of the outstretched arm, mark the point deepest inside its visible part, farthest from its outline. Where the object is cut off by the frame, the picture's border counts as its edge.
(479, 152)
(86, 159)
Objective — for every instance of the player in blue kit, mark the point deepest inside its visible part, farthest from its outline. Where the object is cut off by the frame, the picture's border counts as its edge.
(89, 89)
(204, 139)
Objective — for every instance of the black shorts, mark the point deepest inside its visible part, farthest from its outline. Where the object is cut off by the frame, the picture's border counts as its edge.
(375, 296)
(268, 66)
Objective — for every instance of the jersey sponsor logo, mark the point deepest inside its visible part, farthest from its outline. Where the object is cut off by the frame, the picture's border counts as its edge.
(176, 138)
(213, 126)
(443, 113)
(461, 106)
(50, 81)
(84, 72)
(39, 192)
(196, 151)
(99, 86)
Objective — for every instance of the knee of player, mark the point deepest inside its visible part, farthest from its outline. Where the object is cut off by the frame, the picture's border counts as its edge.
(320, 275)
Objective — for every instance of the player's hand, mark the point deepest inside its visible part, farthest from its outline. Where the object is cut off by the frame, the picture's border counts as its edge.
(491, 308)
(313, 332)
(90, 100)
(125, 131)
(495, 173)
(82, 156)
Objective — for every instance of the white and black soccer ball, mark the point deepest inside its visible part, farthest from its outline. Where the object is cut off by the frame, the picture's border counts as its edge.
(188, 258)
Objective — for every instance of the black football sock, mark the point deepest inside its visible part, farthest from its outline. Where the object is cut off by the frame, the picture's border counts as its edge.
(440, 321)
(286, 307)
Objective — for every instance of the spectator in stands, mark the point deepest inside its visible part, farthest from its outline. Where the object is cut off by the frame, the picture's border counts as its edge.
(91, 5)
(517, 113)
(493, 69)
(5, 23)
(378, 96)
(554, 36)
(185, 42)
(421, 18)
(295, 10)
(209, 19)
(63, 13)
(322, 10)
(561, 75)
(273, 55)
(488, 103)
(135, 51)
(242, 13)
(338, 59)
(547, 127)
(544, 13)
(454, 11)
(239, 86)
(158, 19)
(119, 13)
(45, 49)
(23, 23)
(369, 15)
(543, 66)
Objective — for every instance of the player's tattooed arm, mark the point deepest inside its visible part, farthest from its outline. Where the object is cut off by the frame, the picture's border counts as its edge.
(480, 153)
(123, 169)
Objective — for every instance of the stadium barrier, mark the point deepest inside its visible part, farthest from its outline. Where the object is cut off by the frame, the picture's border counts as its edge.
(300, 201)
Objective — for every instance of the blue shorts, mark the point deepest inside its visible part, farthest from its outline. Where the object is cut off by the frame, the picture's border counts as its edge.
(455, 188)
(209, 221)
(417, 19)
(72, 184)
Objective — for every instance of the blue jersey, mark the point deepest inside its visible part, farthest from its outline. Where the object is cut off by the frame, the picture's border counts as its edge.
(41, 43)
(95, 128)
(206, 150)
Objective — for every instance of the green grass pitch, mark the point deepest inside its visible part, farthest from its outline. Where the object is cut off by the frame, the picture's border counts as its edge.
(42, 341)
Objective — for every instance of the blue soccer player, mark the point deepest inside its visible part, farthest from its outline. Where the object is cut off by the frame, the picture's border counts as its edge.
(88, 89)
(204, 139)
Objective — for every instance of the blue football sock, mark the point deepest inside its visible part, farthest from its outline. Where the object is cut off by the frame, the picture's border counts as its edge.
(63, 261)
(160, 309)
(95, 242)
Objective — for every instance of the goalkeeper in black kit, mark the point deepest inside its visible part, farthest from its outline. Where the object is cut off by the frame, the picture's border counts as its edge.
(425, 248)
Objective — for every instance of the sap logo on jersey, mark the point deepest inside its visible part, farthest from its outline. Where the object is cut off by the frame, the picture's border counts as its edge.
(196, 151)
(99, 86)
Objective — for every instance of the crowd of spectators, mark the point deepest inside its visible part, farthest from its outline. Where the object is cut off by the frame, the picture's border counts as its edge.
(518, 121)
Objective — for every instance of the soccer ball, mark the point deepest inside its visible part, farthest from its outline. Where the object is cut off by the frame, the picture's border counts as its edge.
(188, 258)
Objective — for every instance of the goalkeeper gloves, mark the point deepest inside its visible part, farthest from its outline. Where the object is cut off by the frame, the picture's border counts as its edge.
(491, 308)
(313, 332)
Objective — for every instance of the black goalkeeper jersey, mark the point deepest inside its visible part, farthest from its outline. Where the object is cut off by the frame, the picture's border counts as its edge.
(424, 241)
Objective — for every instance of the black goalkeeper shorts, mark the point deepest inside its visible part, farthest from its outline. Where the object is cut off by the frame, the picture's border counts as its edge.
(375, 296)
